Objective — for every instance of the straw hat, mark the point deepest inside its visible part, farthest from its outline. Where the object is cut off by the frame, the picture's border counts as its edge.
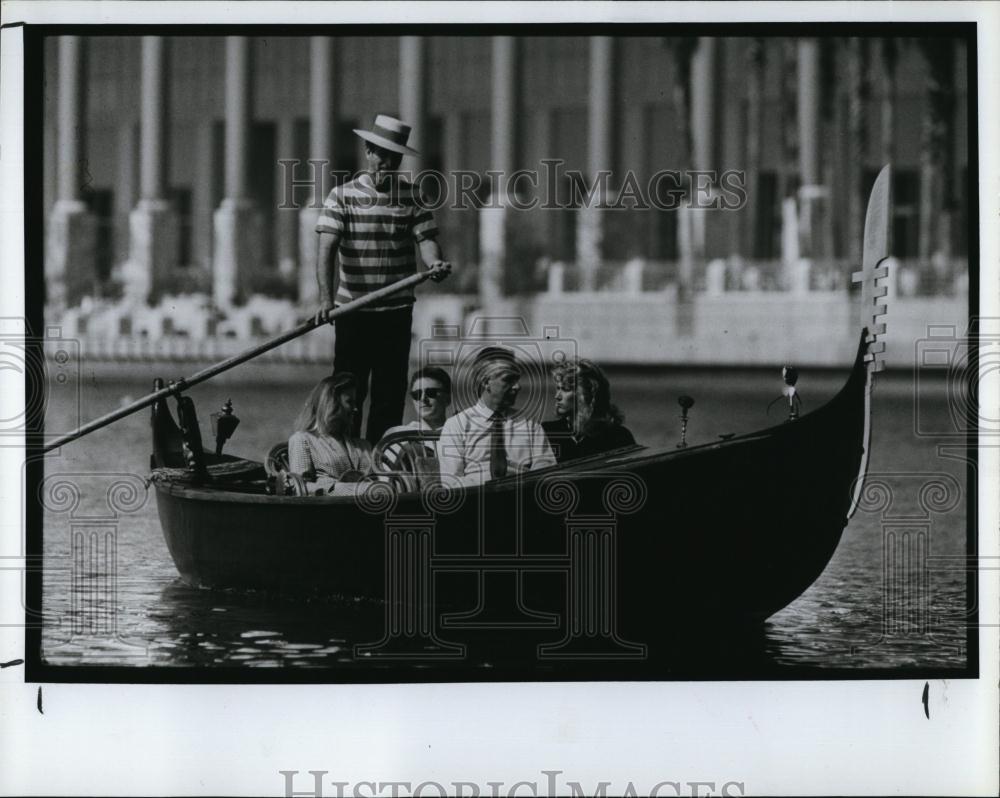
(390, 134)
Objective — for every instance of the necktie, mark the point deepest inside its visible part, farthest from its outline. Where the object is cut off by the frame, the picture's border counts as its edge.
(498, 452)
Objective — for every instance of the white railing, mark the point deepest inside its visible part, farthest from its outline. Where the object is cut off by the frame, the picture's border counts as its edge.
(910, 277)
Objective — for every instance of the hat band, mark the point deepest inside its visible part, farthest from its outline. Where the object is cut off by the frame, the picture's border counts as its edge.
(396, 136)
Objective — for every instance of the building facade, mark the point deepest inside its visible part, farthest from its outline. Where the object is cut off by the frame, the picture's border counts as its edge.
(182, 164)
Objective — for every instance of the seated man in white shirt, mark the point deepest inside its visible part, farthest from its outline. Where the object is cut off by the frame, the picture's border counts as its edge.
(489, 440)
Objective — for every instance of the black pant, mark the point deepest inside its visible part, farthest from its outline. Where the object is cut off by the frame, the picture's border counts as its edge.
(376, 344)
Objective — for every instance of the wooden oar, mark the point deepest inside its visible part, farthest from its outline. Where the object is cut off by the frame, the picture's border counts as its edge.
(235, 360)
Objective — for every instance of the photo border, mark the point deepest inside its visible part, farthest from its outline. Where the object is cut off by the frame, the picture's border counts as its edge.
(830, 719)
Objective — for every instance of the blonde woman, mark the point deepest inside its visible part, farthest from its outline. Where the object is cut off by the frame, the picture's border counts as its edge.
(321, 449)
(587, 422)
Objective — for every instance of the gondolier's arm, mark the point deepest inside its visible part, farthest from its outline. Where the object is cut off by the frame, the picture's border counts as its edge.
(430, 252)
(326, 273)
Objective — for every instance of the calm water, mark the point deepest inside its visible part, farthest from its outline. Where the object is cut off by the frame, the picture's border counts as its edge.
(869, 609)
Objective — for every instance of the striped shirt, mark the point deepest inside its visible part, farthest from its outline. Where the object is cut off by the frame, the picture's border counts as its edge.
(375, 231)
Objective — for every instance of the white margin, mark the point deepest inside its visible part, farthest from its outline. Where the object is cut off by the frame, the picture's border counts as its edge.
(808, 738)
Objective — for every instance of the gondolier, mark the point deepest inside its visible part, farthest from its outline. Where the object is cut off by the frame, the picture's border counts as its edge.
(372, 224)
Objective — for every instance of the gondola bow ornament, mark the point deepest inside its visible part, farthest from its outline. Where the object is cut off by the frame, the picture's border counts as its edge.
(874, 276)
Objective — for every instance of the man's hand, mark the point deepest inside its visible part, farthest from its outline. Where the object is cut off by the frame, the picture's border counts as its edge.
(325, 309)
(443, 267)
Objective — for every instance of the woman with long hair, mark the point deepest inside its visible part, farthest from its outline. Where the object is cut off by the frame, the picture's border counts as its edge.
(587, 421)
(321, 449)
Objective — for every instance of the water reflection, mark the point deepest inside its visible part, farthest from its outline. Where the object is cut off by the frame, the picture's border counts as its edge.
(196, 627)
(213, 627)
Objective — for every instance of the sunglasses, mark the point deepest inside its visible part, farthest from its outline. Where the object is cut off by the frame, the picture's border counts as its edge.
(430, 393)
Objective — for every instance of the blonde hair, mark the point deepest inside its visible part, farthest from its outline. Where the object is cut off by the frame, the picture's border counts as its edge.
(322, 411)
(594, 387)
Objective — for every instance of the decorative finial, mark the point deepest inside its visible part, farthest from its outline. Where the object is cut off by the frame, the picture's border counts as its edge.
(224, 424)
(790, 375)
(686, 403)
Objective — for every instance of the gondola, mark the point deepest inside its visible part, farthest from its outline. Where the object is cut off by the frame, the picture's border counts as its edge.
(732, 529)
(610, 554)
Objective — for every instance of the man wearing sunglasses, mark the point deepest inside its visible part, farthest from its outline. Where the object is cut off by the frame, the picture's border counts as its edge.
(430, 390)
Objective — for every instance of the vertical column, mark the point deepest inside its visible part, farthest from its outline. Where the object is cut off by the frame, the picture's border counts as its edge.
(413, 95)
(808, 68)
(451, 221)
(905, 601)
(592, 599)
(154, 229)
(548, 223)
(322, 116)
(94, 586)
(410, 609)
(285, 218)
(237, 230)
(202, 200)
(494, 219)
(755, 62)
(691, 219)
(71, 123)
(50, 143)
(238, 113)
(703, 87)
(503, 104)
(812, 194)
(888, 51)
(126, 182)
(788, 86)
(590, 220)
(152, 161)
(70, 266)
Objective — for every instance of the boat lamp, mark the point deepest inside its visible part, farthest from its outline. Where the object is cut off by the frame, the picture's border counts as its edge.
(686, 403)
(224, 424)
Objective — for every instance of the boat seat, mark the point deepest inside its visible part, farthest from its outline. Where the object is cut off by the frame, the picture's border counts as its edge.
(413, 467)
(280, 480)
(416, 462)
(277, 459)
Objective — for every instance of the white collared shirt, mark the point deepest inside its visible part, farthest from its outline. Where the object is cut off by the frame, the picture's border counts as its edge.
(464, 446)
